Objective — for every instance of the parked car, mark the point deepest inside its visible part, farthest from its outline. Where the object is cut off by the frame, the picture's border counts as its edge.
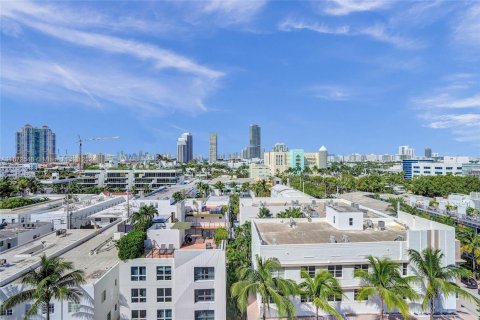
(470, 282)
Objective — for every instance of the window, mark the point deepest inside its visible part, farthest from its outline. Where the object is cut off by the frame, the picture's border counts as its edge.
(202, 295)
(360, 267)
(6, 312)
(350, 221)
(109, 316)
(164, 314)
(355, 295)
(279, 273)
(73, 307)
(104, 295)
(164, 294)
(404, 269)
(310, 270)
(204, 273)
(336, 271)
(335, 297)
(139, 295)
(305, 298)
(164, 273)
(138, 273)
(139, 314)
(333, 219)
(51, 308)
(204, 315)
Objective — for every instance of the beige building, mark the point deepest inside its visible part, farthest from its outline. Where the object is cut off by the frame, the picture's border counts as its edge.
(282, 160)
(259, 171)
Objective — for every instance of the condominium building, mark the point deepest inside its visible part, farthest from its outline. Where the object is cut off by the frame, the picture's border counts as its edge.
(213, 151)
(259, 171)
(15, 170)
(181, 277)
(406, 152)
(35, 145)
(281, 160)
(185, 148)
(471, 169)
(412, 168)
(254, 147)
(89, 250)
(339, 241)
(127, 179)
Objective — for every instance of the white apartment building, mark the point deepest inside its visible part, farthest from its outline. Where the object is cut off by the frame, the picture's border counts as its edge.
(15, 170)
(127, 179)
(88, 250)
(17, 234)
(259, 171)
(182, 277)
(436, 169)
(340, 242)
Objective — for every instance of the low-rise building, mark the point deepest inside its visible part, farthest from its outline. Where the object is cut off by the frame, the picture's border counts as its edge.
(181, 277)
(17, 234)
(259, 171)
(15, 170)
(129, 179)
(412, 168)
(340, 243)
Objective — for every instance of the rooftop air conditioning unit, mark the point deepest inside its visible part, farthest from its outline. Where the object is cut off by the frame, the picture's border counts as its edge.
(332, 239)
(381, 225)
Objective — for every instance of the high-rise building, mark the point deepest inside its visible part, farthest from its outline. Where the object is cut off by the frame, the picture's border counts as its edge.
(323, 157)
(35, 145)
(254, 148)
(213, 151)
(406, 152)
(428, 152)
(280, 147)
(185, 148)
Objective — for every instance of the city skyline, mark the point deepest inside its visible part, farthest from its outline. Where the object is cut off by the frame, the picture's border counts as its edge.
(353, 78)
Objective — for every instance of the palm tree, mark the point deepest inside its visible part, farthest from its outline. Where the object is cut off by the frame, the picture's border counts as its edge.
(220, 186)
(264, 213)
(261, 281)
(385, 283)
(52, 280)
(318, 290)
(395, 204)
(470, 243)
(21, 185)
(245, 187)
(143, 217)
(437, 279)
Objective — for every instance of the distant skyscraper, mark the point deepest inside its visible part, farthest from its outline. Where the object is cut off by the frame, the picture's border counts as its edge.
(35, 144)
(323, 157)
(185, 148)
(213, 151)
(428, 152)
(406, 151)
(280, 147)
(254, 148)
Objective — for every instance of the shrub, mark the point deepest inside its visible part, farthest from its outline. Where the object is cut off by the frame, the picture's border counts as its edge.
(12, 203)
(220, 234)
(130, 246)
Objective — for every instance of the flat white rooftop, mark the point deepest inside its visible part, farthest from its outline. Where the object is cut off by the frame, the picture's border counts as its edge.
(276, 232)
(75, 247)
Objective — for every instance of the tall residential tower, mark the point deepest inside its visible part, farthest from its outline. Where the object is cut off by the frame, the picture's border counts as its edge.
(185, 148)
(213, 151)
(35, 144)
(254, 148)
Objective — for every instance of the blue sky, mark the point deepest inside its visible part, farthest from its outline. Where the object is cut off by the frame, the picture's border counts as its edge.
(356, 76)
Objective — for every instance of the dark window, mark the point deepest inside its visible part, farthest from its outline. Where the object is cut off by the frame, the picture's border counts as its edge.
(164, 273)
(138, 273)
(310, 270)
(336, 271)
(164, 294)
(139, 295)
(139, 314)
(404, 269)
(305, 298)
(164, 314)
(204, 273)
(350, 221)
(355, 295)
(202, 295)
(335, 297)
(360, 267)
(205, 315)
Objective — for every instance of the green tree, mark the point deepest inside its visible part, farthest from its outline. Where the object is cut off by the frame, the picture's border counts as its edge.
(21, 185)
(385, 283)
(290, 213)
(435, 278)
(130, 246)
(220, 234)
(319, 288)
(142, 219)
(220, 186)
(7, 187)
(178, 196)
(53, 279)
(260, 281)
(471, 244)
(264, 212)
(395, 203)
(245, 187)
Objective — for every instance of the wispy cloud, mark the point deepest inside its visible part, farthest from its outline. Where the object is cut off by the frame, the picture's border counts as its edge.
(330, 92)
(169, 81)
(453, 106)
(378, 32)
(467, 29)
(233, 11)
(346, 7)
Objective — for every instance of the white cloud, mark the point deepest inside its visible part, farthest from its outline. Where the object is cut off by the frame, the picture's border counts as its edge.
(445, 100)
(330, 92)
(233, 11)
(377, 32)
(467, 29)
(346, 7)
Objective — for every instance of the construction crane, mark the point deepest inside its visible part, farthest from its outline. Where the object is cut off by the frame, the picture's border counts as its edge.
(80, 143)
